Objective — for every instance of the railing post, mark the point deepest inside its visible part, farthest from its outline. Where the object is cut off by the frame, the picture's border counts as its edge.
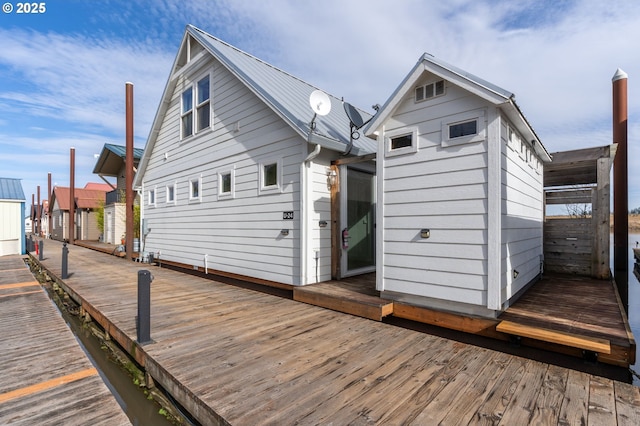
(143, 320)
(41, 247)
(65, 256)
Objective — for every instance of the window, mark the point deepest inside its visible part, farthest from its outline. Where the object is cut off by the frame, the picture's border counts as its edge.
(187, 112)
(203, 108)
(152, 197)
(195, 189)
(226, 181)
(459, 130)
(464, 128)
(193, 123)
(270, 176)
(171, 193)
(429, 91)
(401, 141)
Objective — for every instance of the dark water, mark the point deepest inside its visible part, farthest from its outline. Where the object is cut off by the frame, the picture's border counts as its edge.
(634, 304)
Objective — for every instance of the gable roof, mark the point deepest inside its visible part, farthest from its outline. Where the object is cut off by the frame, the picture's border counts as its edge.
(84, 198)
(496, 95)
(11, 189)
(112, 158)
(286, 95)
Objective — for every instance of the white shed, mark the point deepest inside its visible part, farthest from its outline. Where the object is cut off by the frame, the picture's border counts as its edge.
(460, 193)
(12, 215)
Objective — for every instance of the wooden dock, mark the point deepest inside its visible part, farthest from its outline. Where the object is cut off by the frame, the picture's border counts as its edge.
(236, 356)
(46, 378)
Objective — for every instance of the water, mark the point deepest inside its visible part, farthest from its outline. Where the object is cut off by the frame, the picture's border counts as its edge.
(634, 304)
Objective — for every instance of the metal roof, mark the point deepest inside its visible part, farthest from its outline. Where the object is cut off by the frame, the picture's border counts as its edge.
(112, 158)
(11, 189)
(287, 95)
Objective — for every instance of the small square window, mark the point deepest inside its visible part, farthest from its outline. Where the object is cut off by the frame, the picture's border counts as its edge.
(225, 184)
(401, 141)
(270, 176)
(270, 173)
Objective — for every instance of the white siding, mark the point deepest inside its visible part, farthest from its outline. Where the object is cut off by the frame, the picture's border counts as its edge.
(319, 209)
(11, 229)
(242, 234)
(522, 212)
(443, 189)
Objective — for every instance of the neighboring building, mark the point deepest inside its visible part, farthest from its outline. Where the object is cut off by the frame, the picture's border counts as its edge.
(111, 163)
(460, 193)
(87, 202)
(12, 217)
(233, 180)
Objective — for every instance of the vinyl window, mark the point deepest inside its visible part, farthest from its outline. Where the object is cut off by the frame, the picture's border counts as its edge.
(401, 141)
(195, 189)
(195, 112)
(226, 184)
(428, 91)
(270, 176)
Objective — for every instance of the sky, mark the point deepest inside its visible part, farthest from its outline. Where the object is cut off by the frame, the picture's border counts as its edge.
(63, 70)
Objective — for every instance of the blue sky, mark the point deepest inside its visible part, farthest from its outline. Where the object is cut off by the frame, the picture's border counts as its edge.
(62, 72)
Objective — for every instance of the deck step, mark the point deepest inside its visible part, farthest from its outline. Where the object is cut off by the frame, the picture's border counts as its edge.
(346, 301)
(594, 344)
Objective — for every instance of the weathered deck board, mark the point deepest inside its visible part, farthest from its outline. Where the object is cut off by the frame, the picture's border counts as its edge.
(250, 358)
(46, 377)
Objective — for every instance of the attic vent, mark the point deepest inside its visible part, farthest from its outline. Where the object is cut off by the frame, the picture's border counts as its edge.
(429, 91)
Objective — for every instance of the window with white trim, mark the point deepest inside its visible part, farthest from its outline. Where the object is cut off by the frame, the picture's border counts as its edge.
(270, 176)
(195, 110)
(171, 193)
(195, 189)
(226, 184)
(151, 197)
(401, 141)
(429, 91)
(464, 128)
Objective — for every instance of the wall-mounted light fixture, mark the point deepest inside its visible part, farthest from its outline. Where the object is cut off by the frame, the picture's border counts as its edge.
(332, 178)
(322, 224)
(425, 233)
(515, 274)
(284, 232)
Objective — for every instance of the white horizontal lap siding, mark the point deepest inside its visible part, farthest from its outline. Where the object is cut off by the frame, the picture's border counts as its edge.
(523, 215)
(440, 189)
(239, 234)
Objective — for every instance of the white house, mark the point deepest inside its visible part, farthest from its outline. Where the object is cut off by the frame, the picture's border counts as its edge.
(236, 179)
(12, 217)
(460, 193)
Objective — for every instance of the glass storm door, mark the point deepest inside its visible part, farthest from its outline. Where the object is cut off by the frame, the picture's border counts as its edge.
(358, 222)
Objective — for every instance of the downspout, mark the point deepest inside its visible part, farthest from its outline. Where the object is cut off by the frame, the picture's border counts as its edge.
(303, 212)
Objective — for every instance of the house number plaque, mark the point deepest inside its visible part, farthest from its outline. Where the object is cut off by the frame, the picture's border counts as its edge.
(287, 215)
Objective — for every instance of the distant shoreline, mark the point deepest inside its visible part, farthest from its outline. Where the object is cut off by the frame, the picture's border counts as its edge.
(634, 223)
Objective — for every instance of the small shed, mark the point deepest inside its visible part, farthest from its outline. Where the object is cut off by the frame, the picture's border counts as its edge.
(460, 204)
(12, 214)
(577, 242)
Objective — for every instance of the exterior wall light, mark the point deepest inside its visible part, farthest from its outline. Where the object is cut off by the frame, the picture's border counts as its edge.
(332, 178)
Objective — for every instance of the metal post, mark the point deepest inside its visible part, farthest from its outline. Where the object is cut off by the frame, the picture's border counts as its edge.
(143, 320)
(41, 246)
(65, 256)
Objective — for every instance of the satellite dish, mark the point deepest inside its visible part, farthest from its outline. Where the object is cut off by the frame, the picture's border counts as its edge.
(354, 116)
(320, 102)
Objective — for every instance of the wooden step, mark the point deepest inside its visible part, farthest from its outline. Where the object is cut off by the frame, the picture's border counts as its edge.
(593, 344)
(349, 302)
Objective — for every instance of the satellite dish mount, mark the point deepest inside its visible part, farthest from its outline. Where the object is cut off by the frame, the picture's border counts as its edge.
(320, 104)
(355, 123)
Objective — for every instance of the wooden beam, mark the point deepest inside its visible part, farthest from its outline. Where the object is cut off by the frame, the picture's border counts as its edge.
(568, 339)
(353, 160)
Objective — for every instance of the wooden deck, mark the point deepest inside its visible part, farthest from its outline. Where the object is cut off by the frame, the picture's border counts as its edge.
(233, 355)
(576, 307)
(46, 377)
